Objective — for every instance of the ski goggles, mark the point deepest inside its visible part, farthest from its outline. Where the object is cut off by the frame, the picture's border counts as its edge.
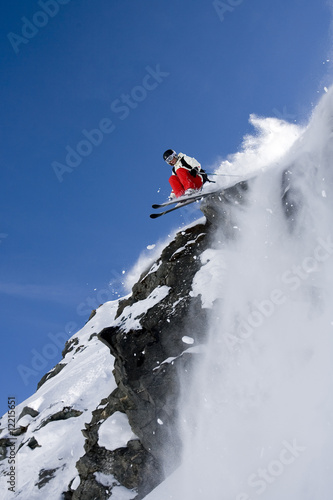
(171, 157)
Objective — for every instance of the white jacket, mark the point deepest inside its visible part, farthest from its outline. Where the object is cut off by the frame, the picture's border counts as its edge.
(191, 162)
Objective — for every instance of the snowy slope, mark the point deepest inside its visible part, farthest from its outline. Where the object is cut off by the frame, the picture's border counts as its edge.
(86, 379)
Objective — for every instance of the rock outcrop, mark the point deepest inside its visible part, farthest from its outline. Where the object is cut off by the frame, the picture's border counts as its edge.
(149, 359)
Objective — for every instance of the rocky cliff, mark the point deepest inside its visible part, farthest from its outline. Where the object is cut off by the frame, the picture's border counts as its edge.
(125, 443)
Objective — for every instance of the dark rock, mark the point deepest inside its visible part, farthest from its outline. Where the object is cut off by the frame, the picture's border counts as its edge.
(92, 336)
(45, 475)
(152, 392)
(67, 495)
(219, 209)
(150, 386)
(19, 430)
(4, 444)
(69, 346)
(52, 373)
(291, 197)
(92, 314)
(90, 489)
(32, 443)
(184, 249)
(28, 411)
(132, 467)
(136, 469)
(64, 414)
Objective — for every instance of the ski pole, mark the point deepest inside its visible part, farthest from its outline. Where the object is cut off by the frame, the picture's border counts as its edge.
(224, 175)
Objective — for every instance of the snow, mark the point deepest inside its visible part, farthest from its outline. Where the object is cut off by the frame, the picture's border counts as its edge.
(191, 350)
(263, 150)
(86, 379)
(76, 482)
(145, 261)
(118, 491)
(209, 278)
(154, 268)
(121, 493)
(130, 318)
(188, 245)
(260, 397)
(187, 340)
(115, 432)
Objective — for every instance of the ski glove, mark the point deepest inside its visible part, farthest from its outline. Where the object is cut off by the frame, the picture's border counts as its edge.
(193, 172)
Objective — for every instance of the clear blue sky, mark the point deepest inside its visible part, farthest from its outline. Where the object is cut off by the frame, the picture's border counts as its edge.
(151, 75)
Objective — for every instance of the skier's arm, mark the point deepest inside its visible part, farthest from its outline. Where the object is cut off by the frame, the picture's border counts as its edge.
(192, 162)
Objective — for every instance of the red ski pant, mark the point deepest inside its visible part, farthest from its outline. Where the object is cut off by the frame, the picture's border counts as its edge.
(183, 180)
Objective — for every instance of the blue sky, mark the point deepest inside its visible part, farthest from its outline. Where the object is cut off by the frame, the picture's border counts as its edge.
(92, 94)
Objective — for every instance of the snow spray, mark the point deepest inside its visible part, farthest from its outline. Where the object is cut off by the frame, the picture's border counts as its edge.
(258, 421)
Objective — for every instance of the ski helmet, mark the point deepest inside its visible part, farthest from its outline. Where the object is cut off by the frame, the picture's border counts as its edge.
(168, 153)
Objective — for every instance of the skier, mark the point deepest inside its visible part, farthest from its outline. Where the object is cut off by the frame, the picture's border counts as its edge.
(187, 175)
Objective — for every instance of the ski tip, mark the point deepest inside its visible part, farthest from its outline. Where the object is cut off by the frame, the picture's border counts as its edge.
(155, 206)
(154, 216)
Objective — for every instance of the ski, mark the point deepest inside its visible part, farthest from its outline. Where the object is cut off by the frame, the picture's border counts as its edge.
(181, 204)
(155, 215)
(181, 199)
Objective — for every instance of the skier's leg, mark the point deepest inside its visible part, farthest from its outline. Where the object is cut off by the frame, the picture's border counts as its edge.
(177, 186)
(187, 180)
(197, 181)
